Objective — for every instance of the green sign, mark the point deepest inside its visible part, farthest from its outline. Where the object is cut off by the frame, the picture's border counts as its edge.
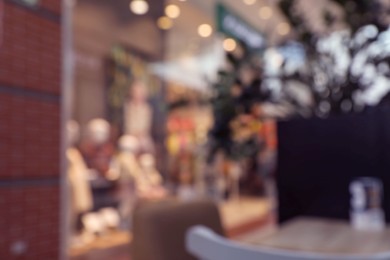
(235, 27)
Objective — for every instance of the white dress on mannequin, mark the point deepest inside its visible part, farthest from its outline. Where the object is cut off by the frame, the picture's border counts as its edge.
(78, 179)
(138, 116)
(80, 195)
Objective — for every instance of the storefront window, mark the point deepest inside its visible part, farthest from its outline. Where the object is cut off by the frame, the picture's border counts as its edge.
(162, 111)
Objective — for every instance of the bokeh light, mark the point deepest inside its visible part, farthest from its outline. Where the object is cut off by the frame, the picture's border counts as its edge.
(249, 2)
(283, 28)
(172, 11)
(205, 30)
(265, 12)
(139, 7)
(164, 23)
(229, 44)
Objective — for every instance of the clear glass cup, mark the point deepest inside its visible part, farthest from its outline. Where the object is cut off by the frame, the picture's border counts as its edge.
(366, 211)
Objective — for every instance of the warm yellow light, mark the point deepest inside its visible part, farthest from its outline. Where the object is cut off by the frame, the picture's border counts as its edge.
(164, 23)
(265, 12)
(205, 30)
(229, 44)
(283, 28)
(249, 2)
(139, 7)
(172, 11)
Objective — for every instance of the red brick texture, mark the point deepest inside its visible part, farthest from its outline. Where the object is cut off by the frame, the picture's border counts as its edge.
(30, 93)
(30, 52)
(52, 5)
(31, 218)
(30, 139)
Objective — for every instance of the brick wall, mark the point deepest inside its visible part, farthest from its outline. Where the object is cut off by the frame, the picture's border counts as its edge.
(30, 72)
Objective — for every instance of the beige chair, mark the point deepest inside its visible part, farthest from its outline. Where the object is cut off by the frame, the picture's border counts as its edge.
(205, 244)
(160, 228)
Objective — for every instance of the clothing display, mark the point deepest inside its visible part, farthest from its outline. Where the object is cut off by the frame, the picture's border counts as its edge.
(137, 111)
(126, 167)
(78, 178)
(150, 175)
(138, 118)
(98, 150)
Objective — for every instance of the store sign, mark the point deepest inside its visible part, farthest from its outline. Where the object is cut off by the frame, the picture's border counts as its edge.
(234, 26)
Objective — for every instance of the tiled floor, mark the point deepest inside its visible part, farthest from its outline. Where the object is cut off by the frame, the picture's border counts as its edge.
(238, 216)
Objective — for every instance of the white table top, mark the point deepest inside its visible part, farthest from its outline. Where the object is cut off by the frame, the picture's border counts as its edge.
(325, 236)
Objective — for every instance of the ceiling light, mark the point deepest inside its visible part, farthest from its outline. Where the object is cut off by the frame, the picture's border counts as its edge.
(139, 7)
(265, 12)
(249, 2)
(172, 11)
(164, 23)
(205, 30)
(229, 44)
(283, 28)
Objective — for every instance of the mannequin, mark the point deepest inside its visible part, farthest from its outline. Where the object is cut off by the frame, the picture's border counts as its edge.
(98, 151)
(80, 200)
(128, 148)
(149, 183)
(138, 116)
(127, 170)
(97, 148)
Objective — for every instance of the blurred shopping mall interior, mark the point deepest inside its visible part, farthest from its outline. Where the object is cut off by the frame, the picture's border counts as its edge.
(194, 129)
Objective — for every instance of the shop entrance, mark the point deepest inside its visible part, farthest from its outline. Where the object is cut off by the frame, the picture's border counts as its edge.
(138, 115)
